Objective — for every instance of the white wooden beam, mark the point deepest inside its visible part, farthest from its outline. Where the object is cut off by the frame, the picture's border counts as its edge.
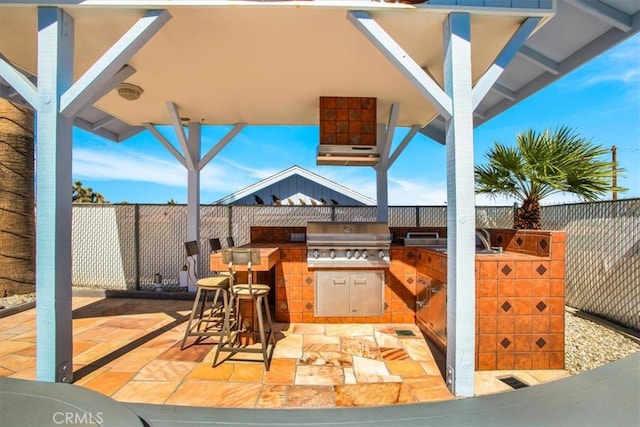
(403, 144)
(435, 130)
(605, 13)
(382, 194)
(19, 82)
(54, 340)
(428, 87)
(193, 186)
(220, 145)
(388, 139)
(539, 59)
(385, 139)
(99, 75)
(461, 291)
(96, 93)
(102, 122)
(510, 50)
(176, 122)
(596, 47)
(179, 157)
(504, 92)
(83, 124)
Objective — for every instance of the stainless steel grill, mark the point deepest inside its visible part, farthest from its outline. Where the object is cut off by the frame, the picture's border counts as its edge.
(348, 244)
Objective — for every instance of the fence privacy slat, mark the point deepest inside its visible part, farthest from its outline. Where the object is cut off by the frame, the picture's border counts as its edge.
(602, 248)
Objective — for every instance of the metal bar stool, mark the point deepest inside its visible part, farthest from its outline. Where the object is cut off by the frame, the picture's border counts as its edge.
(215, 247)
(210, 325)
(255, 292)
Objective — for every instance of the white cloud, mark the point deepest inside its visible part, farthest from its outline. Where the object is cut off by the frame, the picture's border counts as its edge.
(250, 172)
(124, 164)
(621, 64)
(404, 191)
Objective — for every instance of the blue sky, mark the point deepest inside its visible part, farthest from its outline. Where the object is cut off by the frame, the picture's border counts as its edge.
(600, 100)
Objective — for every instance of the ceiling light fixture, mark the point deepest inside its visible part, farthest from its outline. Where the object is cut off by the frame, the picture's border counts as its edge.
(129, 92)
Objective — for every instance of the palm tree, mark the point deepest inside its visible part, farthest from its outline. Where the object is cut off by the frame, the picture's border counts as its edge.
(17, 215)
(543, 163)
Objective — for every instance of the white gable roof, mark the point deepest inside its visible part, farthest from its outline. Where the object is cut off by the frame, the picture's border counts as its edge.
(296, 170)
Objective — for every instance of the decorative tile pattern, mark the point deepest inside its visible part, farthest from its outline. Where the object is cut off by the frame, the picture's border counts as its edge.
(506, 306)
(308, 280)
(506, 270)
(519, 241)
(541, 306)
(541, 269)
(543, 244)
(541, 342)
(505, 343)
(347, 120)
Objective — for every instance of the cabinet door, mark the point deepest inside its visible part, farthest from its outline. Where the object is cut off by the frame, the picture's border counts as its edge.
(437, 314)
(366, 293)
(422, 297)
(332, 293)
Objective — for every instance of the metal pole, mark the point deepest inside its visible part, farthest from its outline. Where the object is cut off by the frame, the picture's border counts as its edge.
(230, 222)
(614, 181)
(136, 244)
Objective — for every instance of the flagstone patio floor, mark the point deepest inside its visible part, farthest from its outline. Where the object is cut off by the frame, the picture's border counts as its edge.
(129, 349)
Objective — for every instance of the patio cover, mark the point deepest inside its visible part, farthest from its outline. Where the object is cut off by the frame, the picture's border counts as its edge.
(434, 67)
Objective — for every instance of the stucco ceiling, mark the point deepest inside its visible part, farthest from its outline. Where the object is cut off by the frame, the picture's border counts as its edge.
(269, 65)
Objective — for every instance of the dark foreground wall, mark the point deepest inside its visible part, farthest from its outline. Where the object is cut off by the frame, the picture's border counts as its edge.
(608, 395)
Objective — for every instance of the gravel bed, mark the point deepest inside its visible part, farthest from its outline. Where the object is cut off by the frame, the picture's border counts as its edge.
(15, 300)
(587, 344)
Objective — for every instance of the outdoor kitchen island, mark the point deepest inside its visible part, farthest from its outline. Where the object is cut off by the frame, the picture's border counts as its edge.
(519, 293)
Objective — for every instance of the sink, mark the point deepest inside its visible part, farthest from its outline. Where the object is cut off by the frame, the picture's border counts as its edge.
(479, 251)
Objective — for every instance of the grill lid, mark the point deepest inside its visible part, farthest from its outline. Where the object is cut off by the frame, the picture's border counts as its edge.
(338, 233)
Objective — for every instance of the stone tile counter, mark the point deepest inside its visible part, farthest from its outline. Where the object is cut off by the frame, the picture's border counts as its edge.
(520, 302)
(519, 299)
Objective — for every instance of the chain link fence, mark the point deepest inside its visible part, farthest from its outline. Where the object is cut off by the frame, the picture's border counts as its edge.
(602, 257)
(123, 246)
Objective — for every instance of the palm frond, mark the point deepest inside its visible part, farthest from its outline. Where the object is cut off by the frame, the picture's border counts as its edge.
(546, 162)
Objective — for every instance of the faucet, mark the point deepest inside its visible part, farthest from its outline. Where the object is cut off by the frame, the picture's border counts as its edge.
(485, 238)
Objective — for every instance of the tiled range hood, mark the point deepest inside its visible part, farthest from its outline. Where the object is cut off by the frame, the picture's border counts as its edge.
(348, 132)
